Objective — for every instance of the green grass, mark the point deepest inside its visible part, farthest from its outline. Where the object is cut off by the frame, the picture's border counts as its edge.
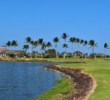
(60, 90)
(99, 69)
(6, 58)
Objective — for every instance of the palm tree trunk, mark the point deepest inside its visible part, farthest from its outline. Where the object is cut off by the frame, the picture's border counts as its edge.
(30, 51)
(36, 54)
(74, 50)
(14, 50)
(93, 52)
(85, 51)
(65, 50)
(82, 51)
(94, 56)
(78, 50)
(105, 53)
(41, 53)
(56, 51)
(56, 54)
(65, 53)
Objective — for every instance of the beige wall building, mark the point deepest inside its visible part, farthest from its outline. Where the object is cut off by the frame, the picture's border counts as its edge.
(3, 50)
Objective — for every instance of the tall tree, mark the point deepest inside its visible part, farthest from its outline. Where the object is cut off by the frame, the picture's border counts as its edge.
(25, 47)
(48, 45)
(14, 43)
(81, 42)
(43, 47)
(33, 46)
(36, 43)
(65, 36)
(56, 40)
(72, 41)
(40, 41)
(85, 44)
(65, 46)
(106, 47)
(93, 45)
(8, 44)
(28, 40)
(78, 41)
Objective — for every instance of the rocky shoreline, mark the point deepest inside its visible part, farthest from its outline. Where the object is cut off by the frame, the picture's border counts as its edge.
(84, 83)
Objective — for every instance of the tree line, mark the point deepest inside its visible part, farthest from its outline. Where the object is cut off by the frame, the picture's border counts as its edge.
(31, 44)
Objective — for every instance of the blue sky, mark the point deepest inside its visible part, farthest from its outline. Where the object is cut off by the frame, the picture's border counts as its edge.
(85, 19)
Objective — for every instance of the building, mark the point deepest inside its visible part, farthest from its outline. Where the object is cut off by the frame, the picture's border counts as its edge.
(3, 50)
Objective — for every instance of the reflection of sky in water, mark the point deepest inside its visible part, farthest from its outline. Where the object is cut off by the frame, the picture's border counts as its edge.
(24, 80)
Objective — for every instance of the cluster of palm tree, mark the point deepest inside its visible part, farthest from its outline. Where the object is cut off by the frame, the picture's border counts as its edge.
(83, 43)
(77, 41)
(12, 43)
(31, 44)
(74, 41)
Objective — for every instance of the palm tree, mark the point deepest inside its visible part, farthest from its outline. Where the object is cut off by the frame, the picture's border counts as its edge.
(106, 47)
(14, 43)
(48, 45)
(40, 41)
(28, 40)
(85, 44)
(93, 45)
(78, 41)
(43, 47)
(65, 46)
(36, 43)
(25, 47)
(8, 44)
(72, 41)
(56, 40)
(65, 36)
(81, 42)
(33, 45)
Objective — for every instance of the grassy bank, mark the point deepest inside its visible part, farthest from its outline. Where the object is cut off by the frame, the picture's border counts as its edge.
(60, 90)
(99, 69)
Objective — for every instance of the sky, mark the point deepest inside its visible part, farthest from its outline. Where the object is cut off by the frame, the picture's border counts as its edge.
(84, 19)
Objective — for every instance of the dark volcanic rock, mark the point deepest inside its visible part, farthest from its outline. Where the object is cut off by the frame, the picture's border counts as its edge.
(84, 83)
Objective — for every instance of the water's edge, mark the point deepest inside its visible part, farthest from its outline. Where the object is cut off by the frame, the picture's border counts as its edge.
(85, 83)
(21, 79)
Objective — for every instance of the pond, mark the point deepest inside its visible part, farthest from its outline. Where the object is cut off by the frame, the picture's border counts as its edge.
(25, 80)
